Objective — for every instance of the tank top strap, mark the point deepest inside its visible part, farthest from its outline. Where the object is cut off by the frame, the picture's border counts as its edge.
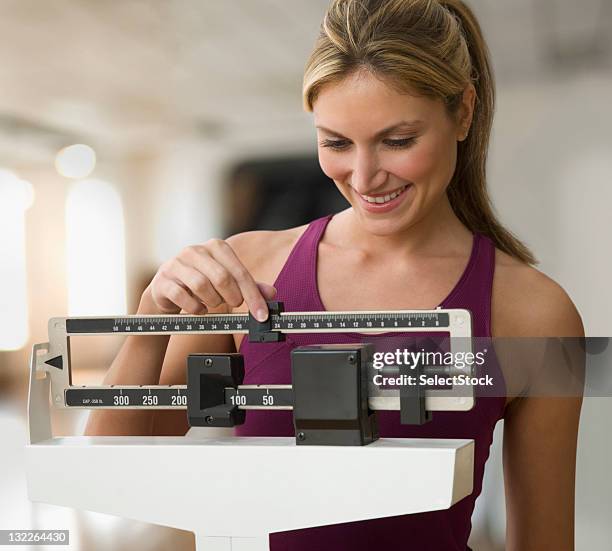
(475, 291)
(297, 273)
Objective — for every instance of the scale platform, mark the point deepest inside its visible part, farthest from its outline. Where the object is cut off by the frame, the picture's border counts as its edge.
(233, 491)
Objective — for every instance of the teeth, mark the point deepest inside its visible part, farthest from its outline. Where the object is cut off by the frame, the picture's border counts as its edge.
(385, 198)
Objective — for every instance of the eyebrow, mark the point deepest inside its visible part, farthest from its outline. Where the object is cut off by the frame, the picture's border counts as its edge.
(388, 130)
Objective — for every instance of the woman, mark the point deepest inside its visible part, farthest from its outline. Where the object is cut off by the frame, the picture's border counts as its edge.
(402, 96)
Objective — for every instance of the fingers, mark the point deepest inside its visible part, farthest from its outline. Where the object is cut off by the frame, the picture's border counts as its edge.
(268, 291)
(198, 285)
(171, 298)
(234, 272)
(208, 276)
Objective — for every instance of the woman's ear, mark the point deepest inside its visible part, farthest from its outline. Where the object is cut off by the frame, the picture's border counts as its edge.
(466, 112)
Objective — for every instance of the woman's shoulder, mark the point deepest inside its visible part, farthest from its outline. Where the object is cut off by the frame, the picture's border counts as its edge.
(528, 303)
(264, 252)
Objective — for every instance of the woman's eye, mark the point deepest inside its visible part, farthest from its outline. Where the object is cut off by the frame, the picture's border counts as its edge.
(335, 144)
(403, 142)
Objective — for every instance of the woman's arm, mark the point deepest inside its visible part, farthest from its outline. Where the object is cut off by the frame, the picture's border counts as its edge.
(202, 278)
(540, 441)
(139, 362)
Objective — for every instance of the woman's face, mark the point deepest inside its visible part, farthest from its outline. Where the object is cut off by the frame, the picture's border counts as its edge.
(391, 155)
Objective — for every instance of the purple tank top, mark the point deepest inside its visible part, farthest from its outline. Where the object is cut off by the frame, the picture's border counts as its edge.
(269, 363)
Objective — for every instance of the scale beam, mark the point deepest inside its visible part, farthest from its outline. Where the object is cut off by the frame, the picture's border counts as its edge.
(53, 359)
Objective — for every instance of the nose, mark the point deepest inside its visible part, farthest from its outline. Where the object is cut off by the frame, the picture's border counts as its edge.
(367, 174)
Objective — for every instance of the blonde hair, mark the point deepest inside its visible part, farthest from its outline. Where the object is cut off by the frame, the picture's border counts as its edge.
(435, 48)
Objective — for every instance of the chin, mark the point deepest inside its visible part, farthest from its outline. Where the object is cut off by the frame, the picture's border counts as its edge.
(383, 225)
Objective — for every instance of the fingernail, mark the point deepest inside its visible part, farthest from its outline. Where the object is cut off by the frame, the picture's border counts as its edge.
(261, 314)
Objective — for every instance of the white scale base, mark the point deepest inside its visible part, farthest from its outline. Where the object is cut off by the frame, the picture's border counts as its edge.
(233, 491)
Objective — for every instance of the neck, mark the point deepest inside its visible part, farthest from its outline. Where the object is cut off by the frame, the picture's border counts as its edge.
(439, 233)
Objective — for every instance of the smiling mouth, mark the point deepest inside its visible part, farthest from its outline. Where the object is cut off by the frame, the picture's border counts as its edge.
(381, 199)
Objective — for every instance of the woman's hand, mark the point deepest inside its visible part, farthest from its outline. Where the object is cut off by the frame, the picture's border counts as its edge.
(206, 276)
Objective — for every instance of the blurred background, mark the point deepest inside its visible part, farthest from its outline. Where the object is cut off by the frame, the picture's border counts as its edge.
(130, 129)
